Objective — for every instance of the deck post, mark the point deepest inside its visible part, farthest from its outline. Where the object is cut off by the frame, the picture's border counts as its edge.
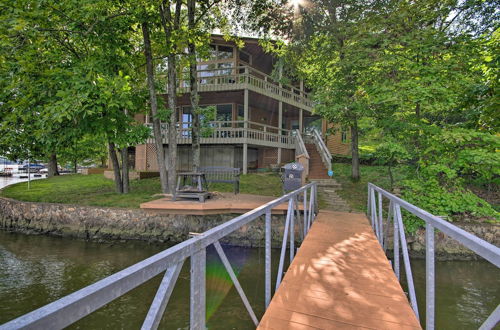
(301, 121)
(268, 260)
(198, 293)
(245, 125)
(430, 293)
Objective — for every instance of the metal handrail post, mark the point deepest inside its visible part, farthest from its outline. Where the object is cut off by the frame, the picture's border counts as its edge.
(267, 279)
(396, 241)
(161, 298)
(430, 292)
(492, 320)
(292, 231)
(368, 211)
(305, 213)
(406, 260)
(283, 244)
(198, 290)
(389, 214)
(380, 220)
(311, 205)
(236, 283)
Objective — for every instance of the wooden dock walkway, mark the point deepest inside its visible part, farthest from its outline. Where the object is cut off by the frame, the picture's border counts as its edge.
(340, 279)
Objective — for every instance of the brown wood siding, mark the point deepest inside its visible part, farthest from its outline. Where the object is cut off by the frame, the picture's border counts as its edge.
(333, 140)
(140, 157)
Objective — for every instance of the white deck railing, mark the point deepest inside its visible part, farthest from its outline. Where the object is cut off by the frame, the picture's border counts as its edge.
(233, 132)
(242, 77)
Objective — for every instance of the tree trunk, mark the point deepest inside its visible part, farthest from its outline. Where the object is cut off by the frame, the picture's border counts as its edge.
(355, 152)
(116, 167)
(160, 152)
(75, 166)
(171, 23)
(193, 88)
(172, 125)
(391, 177)
(53, 170)
(125, 177)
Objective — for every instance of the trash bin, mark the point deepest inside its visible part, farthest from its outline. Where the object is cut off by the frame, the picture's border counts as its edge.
(292, 177)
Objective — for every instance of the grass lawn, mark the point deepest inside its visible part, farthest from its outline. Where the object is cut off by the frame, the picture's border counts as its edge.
(98, 191)
(356, 193)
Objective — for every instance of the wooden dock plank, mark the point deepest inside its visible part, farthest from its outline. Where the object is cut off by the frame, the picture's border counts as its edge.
(340, 279)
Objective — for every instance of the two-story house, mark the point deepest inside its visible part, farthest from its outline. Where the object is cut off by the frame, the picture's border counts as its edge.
(259, 123)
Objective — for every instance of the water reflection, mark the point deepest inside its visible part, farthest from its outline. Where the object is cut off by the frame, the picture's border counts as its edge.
(467, 292)
(36, 270)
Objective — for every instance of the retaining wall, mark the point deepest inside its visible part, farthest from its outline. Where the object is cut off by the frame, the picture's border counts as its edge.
(100, 223)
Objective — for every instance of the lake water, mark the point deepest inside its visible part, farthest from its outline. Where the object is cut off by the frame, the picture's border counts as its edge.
(36, 270)
(7, 181)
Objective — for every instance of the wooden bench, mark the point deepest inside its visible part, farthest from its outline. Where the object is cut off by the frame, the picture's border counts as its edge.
(221, 174)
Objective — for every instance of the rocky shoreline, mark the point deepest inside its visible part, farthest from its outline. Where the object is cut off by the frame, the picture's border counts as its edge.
(108, 224)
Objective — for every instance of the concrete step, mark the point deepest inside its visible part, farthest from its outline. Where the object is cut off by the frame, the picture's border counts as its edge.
(327, 190)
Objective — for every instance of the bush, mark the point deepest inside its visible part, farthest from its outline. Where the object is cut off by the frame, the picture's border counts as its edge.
(457, 203)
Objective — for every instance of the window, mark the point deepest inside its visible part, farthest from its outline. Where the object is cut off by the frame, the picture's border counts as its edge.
(213, 51)
(187, 116)
(224, 52)
(226, 68)
(219, 52)
(344, 135)
(224, 113)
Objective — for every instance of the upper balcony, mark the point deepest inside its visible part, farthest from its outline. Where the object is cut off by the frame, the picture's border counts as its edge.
(246, 77)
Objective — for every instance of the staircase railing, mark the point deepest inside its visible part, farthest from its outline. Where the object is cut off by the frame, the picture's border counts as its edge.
(394, 214)
(301, 154)
(325, 154)
(300, 146)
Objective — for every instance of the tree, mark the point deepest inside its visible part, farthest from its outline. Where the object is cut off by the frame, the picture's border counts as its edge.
(332, 47)
(153, 101)
(390, 153)
(170, 16)
(74, 67)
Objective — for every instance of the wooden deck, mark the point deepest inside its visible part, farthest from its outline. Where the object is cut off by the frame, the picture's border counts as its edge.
(340, 279)
(221, 203)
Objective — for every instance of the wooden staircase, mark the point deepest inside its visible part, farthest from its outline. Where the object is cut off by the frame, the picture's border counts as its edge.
(327, 187)
(317, 170)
